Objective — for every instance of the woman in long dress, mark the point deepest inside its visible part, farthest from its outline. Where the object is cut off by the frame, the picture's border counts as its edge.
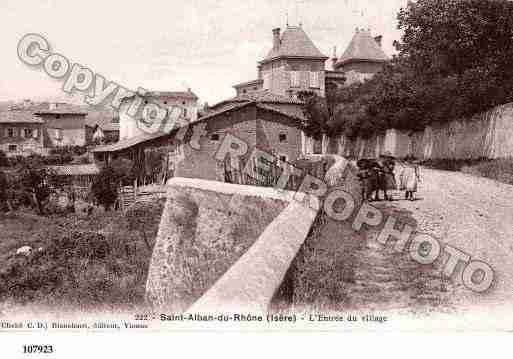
(410, 177)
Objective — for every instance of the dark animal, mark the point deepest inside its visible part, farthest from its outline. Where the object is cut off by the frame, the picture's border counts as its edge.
(375, 177)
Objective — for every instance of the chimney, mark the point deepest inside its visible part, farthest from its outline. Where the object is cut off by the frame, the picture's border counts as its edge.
(379, 40)
(276, 38)
(334, 57)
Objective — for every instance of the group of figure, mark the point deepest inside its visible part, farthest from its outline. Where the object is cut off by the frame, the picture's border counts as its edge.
(377, 175)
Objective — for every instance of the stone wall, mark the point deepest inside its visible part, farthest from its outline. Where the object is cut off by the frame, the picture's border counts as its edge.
(225, 248)
(486, 135)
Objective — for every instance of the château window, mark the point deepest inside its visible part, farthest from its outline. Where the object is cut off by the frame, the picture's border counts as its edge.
(267, 81)
(214, 137)
(13, 148)
(314, 80)
(10, 132)
(282, 137)
(28, 133)
(295, 79)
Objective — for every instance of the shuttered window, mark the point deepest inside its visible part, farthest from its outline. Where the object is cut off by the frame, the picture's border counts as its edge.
(295, 79)
(267, 81)
(314, 80)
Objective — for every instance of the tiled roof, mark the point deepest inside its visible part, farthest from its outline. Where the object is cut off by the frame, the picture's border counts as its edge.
(76, 170)
(248, 83)
(264, 96)
(363, 47)
(18, 116)
(129, 142)
(295, 43)
(295, 112)
(178, 94)
(62, 109)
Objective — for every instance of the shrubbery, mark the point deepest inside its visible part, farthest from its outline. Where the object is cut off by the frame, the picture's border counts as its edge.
(81, 266)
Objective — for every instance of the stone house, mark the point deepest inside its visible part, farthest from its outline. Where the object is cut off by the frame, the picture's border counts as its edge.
(64, 125)
(184, 101)
(262, 120)
(21, 133)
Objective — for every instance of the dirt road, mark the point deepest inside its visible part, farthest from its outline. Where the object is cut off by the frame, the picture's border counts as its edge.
(474, 215)
(341, 269)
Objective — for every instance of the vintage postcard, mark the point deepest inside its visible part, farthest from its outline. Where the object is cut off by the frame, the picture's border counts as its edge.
(291, 165)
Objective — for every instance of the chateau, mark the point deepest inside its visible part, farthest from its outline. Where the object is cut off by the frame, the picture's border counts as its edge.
(295, 64)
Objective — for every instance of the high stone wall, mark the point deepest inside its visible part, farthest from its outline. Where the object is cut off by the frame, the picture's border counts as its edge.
(486, 135)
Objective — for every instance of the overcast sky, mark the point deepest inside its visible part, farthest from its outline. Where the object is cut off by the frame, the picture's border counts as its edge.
(207, 45)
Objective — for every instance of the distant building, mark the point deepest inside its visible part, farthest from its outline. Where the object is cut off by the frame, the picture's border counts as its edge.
(21, 133)
(64, 125)
(102, 126)
(184, 101)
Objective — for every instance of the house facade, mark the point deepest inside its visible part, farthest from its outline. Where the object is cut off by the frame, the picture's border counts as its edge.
(64, 125)
(21, 133)
(185, 102)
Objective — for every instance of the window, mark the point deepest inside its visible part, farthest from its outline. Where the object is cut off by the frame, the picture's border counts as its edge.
(295, 79)
(58, 134)
(282, 137)
(10, 132)
(244, 91)
(283, 158)
(214, 137)
(28, 133)
(13, 148)
(57, 116)
(267, 81)
(314, 80)
(185, 112)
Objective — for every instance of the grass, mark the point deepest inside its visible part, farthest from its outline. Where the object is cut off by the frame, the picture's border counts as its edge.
(98, 262)
(498, 169)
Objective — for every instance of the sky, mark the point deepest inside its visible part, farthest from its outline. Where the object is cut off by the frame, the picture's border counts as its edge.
(168, 45)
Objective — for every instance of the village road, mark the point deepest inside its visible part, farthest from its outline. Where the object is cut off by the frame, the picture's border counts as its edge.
(474, 215)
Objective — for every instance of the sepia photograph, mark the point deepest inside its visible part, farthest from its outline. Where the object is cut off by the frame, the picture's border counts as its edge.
(269, 166)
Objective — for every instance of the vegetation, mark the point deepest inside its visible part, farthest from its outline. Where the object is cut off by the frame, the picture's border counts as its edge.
(106, 185)
(455, 59)
(95, 262)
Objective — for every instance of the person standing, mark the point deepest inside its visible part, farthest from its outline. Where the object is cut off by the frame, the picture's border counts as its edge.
(410, 177)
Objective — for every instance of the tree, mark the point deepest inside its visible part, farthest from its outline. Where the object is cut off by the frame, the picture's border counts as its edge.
(315, 109)
(4, 160)
(4, 192)
(105, 187)
(38, 182)
(455, 59)
(111, 177)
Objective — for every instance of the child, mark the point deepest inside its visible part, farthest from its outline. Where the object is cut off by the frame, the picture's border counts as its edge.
(410, 176)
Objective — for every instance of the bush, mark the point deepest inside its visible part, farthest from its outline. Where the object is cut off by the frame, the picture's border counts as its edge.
(4, 160)
(105, 187)
(88, 263)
